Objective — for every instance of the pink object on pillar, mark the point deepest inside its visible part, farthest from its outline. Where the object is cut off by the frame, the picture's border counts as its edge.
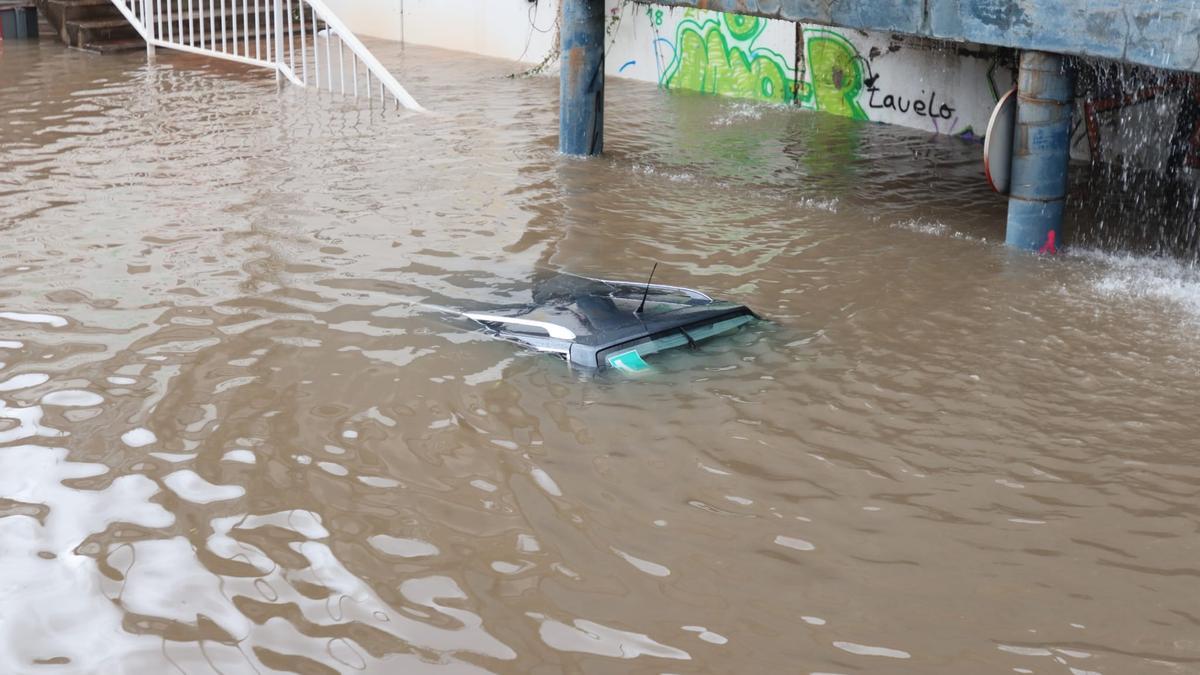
(1049, 248)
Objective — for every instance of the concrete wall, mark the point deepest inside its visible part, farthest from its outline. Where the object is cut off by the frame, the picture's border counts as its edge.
(869, 76)
(507, 29)
(880, 76)
(1156, 33)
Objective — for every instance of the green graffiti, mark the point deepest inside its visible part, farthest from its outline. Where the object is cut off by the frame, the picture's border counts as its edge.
(719, 57)
(836, 72)
(743, 27)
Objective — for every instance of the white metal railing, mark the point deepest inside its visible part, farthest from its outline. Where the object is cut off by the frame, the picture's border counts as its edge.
(295, 38)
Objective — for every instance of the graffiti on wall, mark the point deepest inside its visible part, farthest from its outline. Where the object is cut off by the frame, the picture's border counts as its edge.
(836, 74)
(718, 56)
(832, 71)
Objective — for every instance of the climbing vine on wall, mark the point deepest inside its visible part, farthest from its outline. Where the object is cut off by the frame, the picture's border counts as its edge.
(555, 52)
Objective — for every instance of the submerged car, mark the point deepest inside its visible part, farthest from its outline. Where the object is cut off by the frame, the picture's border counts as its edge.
(601, 323)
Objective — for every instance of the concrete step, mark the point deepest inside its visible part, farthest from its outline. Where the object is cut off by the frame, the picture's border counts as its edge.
(96, 31)
(96, 25)
(69, 10)
(114, 46)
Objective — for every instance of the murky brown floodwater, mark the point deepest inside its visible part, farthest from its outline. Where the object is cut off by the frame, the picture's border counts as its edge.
(231, 444)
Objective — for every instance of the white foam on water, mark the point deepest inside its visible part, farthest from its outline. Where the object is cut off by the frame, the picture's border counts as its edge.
(934, 229)
(794, 542)
(76, 398)
(333, 468)
(480, 484)
(814, 620)
(139, 437)
(175, 457)
(651, 568)
(190, 486)
(491, 374)
(829, 205)
(589, 637)
(62, 589)
(24, 381)
(505, 567)
(545, 482)
(739, 112)
(121, 380)
(868, 650)
(707, 635)
(29, 424)
(379, 481)
(403, 547)
(527, 543)
(565, 571)
(167, 580)
(923, 227)
(11, 344)
(1166, 281)
(1025, 651)
(240, 455)
(301, 521)
(48, 319)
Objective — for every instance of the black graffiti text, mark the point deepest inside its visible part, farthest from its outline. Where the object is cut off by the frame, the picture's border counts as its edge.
(918, 106)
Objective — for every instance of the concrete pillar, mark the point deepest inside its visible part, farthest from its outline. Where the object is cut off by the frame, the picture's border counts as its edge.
(1041, 151)
(581, 102)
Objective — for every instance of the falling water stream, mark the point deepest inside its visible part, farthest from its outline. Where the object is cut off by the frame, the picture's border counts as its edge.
(229, 441)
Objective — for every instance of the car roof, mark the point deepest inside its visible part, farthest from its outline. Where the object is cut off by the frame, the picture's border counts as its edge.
(579, 317)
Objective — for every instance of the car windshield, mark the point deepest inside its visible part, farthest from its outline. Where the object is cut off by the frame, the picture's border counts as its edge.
(631, 357)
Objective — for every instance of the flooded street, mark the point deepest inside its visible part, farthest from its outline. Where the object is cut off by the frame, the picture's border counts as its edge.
(232, 441)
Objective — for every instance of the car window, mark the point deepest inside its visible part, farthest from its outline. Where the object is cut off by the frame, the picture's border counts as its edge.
(632, 357)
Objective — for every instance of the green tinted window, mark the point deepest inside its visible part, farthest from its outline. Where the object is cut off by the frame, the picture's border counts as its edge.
(631, 358)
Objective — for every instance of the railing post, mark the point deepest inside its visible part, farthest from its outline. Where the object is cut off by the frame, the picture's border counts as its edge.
(279, 41)
(148, 23)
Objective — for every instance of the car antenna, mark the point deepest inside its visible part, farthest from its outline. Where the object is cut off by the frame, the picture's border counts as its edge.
(647, 291)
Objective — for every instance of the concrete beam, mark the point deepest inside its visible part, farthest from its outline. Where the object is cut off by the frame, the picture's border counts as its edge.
(1157, 33)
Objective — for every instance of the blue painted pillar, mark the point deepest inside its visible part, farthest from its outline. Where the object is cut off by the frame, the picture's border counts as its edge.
(581, 102)
(1041, 151)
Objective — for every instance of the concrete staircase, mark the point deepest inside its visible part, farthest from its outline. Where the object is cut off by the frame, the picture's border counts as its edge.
(98, 26)
(95, 25)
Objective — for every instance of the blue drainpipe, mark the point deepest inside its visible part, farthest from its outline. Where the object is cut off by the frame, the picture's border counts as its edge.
(581, 101)
(1041, 151)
